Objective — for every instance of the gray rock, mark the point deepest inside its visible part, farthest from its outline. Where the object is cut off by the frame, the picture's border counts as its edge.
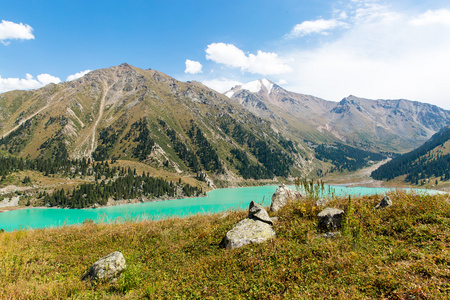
(247, 231)
(107, 267)
(256, 211)
(321, 202)
(281, 197)
(385, 202)
(331, 235)
(330, 218)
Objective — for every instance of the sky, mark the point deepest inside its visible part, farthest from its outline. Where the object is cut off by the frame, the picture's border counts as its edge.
(398, 49)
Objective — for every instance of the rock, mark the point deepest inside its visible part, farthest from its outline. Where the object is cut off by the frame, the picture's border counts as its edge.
(256, 228)
(321, 202)
(247, 231)
(107, 267)
(330, 235)
(256, 211)
(275, 219)
(330, 218)
(281, 196)
(224, 215)
(385, 202)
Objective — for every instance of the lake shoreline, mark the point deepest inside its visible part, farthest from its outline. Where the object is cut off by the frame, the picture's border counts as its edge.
(125, 202)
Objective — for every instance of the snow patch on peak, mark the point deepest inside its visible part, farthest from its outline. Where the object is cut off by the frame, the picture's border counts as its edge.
(256, 86)
(267, 84)
(253, 87)
(229, 94)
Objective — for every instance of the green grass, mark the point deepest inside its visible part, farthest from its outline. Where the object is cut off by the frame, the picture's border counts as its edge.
(401, 252)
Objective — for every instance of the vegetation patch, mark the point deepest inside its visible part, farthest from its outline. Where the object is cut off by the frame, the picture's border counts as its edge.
(396, 253)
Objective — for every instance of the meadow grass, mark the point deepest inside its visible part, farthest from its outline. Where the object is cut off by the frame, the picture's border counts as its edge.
(401, 252)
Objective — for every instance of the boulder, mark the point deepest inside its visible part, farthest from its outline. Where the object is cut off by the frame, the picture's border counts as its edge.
(330, 219)
(281, 196)
(385, 202)
(107, 267)
(256, 228)
(256, 211)
(247, 231)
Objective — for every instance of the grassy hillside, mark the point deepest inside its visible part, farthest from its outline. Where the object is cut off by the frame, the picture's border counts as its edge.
(398, 253)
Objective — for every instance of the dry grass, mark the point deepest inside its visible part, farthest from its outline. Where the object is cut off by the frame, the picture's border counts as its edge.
(398, 253)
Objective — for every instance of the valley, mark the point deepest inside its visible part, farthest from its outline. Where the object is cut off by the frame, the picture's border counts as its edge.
(78, 139)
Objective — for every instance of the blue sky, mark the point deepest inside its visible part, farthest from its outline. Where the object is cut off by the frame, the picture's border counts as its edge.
(330, 49)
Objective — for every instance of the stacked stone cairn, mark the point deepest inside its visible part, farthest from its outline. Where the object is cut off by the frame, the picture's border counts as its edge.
(256, 228)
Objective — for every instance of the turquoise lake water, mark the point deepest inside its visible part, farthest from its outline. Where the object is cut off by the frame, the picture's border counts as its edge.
(216, 201)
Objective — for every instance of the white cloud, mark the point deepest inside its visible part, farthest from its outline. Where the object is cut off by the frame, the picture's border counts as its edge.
(227, 54)
(10, 31)
(77, 75)
(382, 54)
(282, 82)
(47, 79)
(440, 16)
(318, 26)
(193, 67)
(29, 82)
(265, 63)
(221, 85)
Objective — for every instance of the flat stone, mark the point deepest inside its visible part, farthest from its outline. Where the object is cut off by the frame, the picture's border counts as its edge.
(256, 211)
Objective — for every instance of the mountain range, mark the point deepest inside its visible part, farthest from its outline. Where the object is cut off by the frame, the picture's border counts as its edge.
(255, 131)
(376, 125)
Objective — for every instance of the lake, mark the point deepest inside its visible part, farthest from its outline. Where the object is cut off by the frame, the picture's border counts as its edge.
(219, 200)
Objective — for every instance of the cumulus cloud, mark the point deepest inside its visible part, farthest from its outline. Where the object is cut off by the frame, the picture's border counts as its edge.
(77, 75)
(29, 82)
(221, 85)
(381, 54)
(265, 63)
(193, 67)
(318, 26)
(11, 31)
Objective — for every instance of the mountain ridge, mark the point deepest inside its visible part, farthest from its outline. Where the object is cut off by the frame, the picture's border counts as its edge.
(124, 112)
(381, 125)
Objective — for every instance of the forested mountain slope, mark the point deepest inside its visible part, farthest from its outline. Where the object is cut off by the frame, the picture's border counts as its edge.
(429, 161)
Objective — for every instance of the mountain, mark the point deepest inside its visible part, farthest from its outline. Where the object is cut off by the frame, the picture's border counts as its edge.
(377, 125)
(431, 161)
(127, 113)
